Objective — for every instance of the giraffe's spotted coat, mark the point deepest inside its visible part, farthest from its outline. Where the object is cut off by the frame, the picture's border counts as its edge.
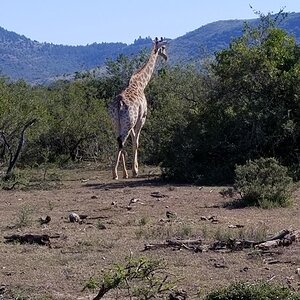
(129, 109)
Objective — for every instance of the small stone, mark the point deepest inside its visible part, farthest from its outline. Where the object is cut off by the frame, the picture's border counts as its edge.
(73, 217)
(171, 215)
(133, 200)
(45, 221)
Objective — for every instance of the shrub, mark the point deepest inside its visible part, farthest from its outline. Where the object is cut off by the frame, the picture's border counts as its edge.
(141, 278)
(263, 182)
(246, 291)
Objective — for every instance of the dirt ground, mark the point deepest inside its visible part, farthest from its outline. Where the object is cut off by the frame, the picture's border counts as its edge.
(114, 230)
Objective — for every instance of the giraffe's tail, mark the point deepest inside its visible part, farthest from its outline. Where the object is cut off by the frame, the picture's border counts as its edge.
(119, 140)
(119, 99)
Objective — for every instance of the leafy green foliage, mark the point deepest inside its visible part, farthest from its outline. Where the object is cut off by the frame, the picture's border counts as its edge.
(263, 182)
(91, 284)
(170, 96)
(79, 125)
(142, 278)
(242, 105)
(72, 122)
(24, 217)
(249, 108)
(247, 291)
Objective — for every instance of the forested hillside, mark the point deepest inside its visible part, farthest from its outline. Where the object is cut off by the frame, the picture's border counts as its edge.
(22, 58)
(216, 36)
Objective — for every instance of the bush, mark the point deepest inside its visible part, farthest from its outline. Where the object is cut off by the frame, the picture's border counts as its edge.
(263, 182)
(246, 291)
(141, 278)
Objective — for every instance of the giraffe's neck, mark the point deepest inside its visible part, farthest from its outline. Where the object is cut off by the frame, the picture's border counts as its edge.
(143, 76)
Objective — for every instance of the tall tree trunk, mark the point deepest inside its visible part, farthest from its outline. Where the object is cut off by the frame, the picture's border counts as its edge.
(14, 158)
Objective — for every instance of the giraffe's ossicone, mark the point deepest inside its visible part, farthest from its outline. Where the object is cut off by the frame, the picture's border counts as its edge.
(128, 110)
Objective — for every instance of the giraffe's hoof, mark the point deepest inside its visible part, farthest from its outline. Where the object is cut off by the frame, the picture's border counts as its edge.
(125, 176)
(115, 178)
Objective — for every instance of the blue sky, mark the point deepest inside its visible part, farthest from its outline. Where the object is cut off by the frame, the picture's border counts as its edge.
(79, 22)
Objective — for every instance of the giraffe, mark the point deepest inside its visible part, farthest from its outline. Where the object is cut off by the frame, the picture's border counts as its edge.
(128, 110)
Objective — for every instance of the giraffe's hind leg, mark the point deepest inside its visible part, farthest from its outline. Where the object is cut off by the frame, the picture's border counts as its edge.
(120, 155)
(135, 136)
(115, 168)
(125, 172)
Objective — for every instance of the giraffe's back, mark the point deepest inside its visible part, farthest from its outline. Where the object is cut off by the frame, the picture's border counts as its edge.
(126, 112)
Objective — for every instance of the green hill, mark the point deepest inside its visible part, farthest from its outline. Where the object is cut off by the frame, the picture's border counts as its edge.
(22, 58)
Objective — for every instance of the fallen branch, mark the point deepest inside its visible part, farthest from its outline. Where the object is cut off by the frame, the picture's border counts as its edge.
(103, 290)
(43, 239)
(283, 238)
(186, 244)
(279, 235)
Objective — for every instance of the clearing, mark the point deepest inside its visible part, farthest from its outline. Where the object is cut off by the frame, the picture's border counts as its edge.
(118, 226)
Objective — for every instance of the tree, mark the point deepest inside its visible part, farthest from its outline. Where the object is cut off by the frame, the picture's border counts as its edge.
(19, 110)
(252, 110)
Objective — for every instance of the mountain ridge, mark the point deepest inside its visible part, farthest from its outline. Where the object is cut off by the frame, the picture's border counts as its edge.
(36, 62)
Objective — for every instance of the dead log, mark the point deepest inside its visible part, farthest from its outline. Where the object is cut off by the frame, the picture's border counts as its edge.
(279, 235)
(158, 195)
(282, 238)
(184, 242)
(187, 244)
(43, 239)
(294, 236)
(151, 246)
(218, 245)
(274, 244)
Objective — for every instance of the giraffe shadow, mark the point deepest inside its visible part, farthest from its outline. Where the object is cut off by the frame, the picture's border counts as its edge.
(145, 180)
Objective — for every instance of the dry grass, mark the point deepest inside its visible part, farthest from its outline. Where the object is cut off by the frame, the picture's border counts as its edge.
(85, 251)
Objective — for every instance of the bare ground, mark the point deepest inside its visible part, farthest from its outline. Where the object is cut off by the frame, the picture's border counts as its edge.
(85, 251)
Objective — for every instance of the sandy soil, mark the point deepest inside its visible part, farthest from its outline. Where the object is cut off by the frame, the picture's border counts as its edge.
(84, 251)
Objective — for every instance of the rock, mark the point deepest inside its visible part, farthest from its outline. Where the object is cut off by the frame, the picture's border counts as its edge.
(45, 221)
(133, 200)
(171, 215)
(73, 217)
(158, 195)
(236, 226)
(83, 217)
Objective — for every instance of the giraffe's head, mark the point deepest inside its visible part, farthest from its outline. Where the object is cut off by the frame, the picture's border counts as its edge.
(160, 47)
